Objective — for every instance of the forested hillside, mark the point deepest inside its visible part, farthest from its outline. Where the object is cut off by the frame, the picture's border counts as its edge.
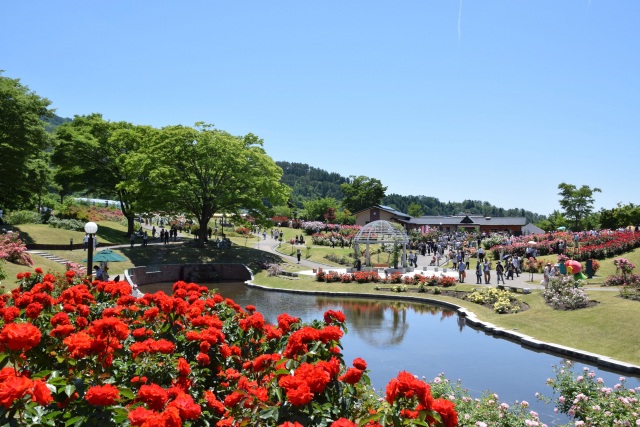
(310, 183)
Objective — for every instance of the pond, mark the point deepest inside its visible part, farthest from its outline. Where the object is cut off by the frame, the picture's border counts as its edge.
(423, 339)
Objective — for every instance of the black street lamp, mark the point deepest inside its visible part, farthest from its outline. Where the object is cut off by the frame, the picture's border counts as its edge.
(91, 228)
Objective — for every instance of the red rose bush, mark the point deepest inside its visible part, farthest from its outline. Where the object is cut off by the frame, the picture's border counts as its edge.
(81, 353)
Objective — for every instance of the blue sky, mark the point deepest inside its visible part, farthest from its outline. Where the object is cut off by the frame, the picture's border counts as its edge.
(489, 100)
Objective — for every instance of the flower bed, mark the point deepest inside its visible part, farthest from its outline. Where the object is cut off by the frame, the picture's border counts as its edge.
(394, 278)
(604, 244)
(80, 353)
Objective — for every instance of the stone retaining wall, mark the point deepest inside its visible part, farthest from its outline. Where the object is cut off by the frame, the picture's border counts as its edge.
(140, 276)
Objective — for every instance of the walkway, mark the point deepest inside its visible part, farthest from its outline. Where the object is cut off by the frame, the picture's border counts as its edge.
(270, 245)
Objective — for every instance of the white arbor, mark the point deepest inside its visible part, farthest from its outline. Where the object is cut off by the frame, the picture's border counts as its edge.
(379, 232)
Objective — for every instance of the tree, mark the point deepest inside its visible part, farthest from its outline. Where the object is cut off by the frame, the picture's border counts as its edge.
(39, 177)
(620, 216)
(362, 192)
(204, 171)
(22, 138)
(92, 155)
(415, 210)
(330, 215)
(577, 203)
(314, 210)
(553, 222)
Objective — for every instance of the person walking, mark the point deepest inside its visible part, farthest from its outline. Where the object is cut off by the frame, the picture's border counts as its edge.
(299, 254)
(479, 273)
(85, 241)
(487, 272)
(510, 269)
(462, 271)
(500, 273)
(145, 238)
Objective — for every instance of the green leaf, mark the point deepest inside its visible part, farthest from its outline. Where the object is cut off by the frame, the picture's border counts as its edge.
(69, 389)
(120, 415)
(73, 420)
(125, 392)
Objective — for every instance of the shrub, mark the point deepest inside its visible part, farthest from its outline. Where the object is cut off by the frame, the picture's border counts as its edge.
(342, 260)
(589, 401)
(12, 249)
(486, 410)
(23, 217)
(66, 224)
(501, 300)
(274, 269)
(563, 293)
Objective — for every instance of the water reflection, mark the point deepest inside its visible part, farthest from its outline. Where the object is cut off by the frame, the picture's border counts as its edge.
(380, 323)
(423, 339)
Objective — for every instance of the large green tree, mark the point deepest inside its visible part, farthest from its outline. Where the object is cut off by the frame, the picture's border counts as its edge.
(314, 210)
(203, 171)
(577, 203)
(91, 155)
(362, 192)
(620, 217)
(22, 138)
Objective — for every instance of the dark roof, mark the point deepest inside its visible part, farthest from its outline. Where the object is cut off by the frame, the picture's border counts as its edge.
(452, 219)
(400, 215)
(468, 220)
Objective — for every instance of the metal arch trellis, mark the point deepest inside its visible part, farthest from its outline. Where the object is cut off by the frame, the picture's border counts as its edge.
(378, 232)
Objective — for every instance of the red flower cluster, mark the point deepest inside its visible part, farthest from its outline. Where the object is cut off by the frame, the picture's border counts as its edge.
(15, 387)
(195, 355)
(406, 390)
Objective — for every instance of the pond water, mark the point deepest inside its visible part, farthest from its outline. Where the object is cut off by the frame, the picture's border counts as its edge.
(423, 339)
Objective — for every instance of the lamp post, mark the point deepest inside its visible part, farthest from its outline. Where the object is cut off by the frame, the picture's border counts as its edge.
(91, 228)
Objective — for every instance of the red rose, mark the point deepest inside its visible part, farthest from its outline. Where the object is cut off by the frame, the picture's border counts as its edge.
(359, 364)
(203, 359)
(331, 316)
(102, 395)
(189, 410)
(213, 402)
(13, 388)
(20, 336)
(154, 396)
(352, 376)
(40, 393)
(140, 415)
(447, 411)
(184, 368)
(343, 422)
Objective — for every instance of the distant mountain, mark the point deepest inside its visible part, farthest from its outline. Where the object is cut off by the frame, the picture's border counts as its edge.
(54, 122)
(308, 183)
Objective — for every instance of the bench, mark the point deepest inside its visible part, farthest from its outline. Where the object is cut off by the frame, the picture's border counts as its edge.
(514, 288)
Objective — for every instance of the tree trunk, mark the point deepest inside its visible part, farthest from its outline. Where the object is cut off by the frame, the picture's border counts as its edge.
(203, 221)
(130, 224)
(127, 212)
